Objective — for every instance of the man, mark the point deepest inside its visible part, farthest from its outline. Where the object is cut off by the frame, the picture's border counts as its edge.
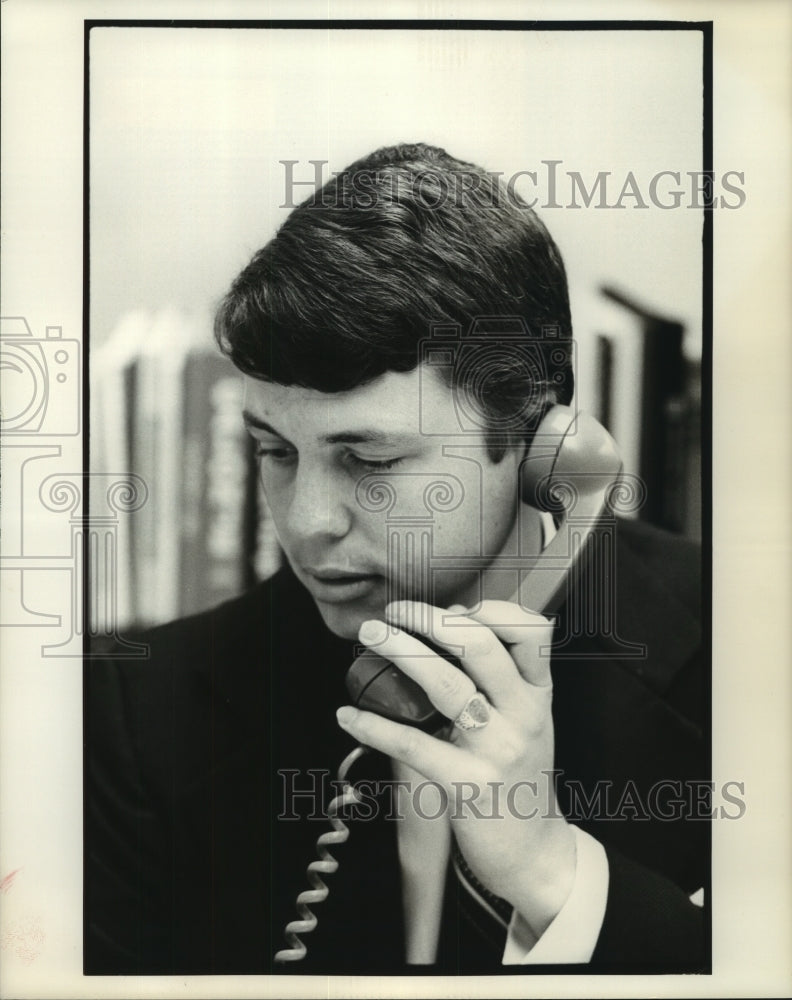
(207, 765)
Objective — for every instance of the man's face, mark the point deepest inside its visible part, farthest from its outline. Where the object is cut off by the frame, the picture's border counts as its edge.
(367, 506)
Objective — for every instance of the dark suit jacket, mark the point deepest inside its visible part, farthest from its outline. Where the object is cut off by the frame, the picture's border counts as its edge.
(189, 869)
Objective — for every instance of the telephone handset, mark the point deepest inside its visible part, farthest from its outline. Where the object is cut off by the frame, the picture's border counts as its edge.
(572, 463)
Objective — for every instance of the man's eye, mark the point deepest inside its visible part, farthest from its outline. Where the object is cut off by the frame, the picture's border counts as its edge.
(371, 464)
(280, 455)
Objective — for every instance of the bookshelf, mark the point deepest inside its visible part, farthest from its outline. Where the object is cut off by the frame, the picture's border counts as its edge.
(661, 388)
(166, 407)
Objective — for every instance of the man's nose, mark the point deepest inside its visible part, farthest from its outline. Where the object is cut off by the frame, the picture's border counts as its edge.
(319, 506)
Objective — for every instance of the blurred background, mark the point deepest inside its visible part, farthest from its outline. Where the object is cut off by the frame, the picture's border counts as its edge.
(188, 128)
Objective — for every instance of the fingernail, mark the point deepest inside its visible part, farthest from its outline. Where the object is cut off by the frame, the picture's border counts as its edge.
(345, 715)
(373, 631)
(457, 609)
(396, 609)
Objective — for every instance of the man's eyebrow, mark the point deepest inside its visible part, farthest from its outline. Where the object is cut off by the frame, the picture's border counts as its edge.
(251, 420)
(367, 436)
(363, 437)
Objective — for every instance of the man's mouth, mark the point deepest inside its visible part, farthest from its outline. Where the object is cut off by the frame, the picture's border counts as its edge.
(334, 586)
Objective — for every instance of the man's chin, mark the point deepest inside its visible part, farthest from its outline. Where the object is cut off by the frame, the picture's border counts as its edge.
(344, 620)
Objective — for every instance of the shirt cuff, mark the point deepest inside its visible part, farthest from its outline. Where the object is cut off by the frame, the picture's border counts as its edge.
(572, 935)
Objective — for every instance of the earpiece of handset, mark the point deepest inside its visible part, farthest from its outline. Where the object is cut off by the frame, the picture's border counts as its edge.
(569, 470)
(569, 447)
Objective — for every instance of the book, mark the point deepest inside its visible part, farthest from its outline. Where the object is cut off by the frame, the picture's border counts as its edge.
(217, 533)
(114, 371)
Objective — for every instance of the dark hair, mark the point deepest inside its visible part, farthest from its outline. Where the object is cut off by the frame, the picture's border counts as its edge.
(360, 274)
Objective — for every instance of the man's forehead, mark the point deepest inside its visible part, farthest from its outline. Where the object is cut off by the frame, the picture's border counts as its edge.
(388, 407)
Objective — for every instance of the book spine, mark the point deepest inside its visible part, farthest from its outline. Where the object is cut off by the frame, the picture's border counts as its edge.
(226, 476)
(604, 370)
(662, 422)
(144, 459)
(215, 486)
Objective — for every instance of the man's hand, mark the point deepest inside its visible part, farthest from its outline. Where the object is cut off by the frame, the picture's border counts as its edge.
(501, 800)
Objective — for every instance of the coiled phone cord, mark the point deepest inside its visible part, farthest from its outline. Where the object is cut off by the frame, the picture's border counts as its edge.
(326, 866)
